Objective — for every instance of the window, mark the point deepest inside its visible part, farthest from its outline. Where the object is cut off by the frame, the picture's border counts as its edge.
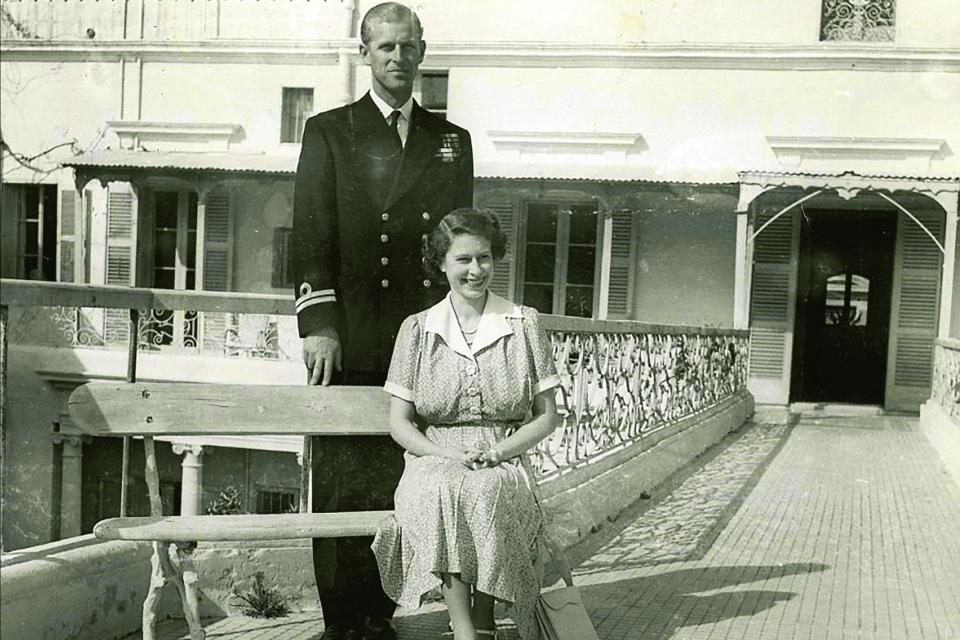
(296, 107)
(431, 91)
(277, 501)
(848, 296)
(174, 264)
(858, 20)
(282, 277)
(559, 263)
(37, 232)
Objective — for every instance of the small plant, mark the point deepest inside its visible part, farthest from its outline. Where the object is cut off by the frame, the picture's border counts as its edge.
(228, 503)
(262, 600)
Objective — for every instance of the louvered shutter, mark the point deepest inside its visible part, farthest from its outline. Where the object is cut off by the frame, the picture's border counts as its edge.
(913, 326)
(771, 307)
(620, 293)
(67, 246)
(121, 245)
(217, 263)
(501, 204)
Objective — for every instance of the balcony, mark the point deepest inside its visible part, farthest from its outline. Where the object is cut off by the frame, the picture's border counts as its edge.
(639, 404)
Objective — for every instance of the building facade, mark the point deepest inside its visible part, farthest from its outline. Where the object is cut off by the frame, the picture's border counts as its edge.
(792, 171)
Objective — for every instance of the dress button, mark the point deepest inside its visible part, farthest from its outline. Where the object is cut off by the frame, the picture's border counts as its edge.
(384, 283)
(427, 283)
(426, 216)
(472, 369)
(384, 237)
(384, 260)
(384, 216)
(473, 391)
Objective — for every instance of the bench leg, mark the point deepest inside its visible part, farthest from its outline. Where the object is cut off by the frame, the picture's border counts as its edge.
(158, 579)
(187, 584)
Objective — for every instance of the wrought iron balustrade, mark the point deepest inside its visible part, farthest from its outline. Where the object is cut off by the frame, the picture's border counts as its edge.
(945, 388)
(623, 380)
(620, 380)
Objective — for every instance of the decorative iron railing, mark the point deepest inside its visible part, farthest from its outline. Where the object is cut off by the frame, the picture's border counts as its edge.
(945, 388)
(623, 380)
(620, 380)
(858, 20)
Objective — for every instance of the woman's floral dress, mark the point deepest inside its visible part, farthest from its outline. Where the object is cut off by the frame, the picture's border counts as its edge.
(484, 524)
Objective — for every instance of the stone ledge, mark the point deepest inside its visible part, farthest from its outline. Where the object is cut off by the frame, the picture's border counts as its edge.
(943, 434)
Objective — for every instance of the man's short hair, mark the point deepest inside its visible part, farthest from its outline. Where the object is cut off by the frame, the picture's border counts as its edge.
(388, 12)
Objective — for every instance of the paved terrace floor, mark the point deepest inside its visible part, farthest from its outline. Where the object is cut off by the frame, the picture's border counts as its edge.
(833, 528)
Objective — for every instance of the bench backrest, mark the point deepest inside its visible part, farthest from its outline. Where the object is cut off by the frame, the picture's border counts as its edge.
(176, 408)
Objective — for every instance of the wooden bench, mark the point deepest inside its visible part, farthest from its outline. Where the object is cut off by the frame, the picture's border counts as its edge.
(185, 409)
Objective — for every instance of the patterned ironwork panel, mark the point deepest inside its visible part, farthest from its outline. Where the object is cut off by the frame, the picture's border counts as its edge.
(858, 20)
(618, 387)
(946, 379)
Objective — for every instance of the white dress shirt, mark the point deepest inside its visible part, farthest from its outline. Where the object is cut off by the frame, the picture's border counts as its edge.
(406, 109)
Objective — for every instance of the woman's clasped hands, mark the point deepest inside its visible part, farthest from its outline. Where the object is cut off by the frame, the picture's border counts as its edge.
(479, 456)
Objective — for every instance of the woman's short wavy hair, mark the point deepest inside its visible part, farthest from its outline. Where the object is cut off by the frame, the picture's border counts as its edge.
(464, 221)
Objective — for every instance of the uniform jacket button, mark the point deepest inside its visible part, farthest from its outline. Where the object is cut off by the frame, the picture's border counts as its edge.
(426, 216)
(384, 260)
(427, 283)
(384, 283)
(384, 237)
(384, 216)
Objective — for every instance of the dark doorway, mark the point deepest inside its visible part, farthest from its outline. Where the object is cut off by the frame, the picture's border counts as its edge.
(844, 291)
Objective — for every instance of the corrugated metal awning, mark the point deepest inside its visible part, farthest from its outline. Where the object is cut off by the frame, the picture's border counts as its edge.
(111, 159)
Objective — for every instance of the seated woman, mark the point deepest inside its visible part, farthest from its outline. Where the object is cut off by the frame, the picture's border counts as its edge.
(473, 384)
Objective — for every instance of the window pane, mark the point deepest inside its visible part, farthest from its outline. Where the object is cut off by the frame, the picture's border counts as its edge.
(165, 249)
(581, 264)
(433, 91)
(538, 296)
(579, 301)
(166, 209)
(31, 237)
(541, 223)
(583, 225)
(163, 278)
(540, 263)
(192, 211)
(192, 250)
(191, 280)
(31, 197)
(297, 105)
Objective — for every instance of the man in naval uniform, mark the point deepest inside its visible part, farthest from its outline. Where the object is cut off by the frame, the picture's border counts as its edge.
(374, 178)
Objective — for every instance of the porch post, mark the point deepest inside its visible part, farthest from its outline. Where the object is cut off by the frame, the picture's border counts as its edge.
(606, 258)
(191, 478)
(949, 271)
(744, 256)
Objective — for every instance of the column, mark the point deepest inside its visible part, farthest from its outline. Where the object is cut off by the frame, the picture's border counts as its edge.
(71, 464)
(345, 71)
(191, 478)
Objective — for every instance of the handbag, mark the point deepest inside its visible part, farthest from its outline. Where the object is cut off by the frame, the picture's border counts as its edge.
(560, 612)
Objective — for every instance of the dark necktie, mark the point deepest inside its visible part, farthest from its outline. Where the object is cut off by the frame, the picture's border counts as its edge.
(392, 121)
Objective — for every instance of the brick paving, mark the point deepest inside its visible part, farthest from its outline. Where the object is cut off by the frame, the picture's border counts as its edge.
(835, 528)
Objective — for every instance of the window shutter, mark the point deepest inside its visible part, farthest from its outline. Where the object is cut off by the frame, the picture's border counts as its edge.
(501, 205)
(217, 267)
(216, 242)
(620, 294)
(913, 326)
(68, 245)
(771, 304)
(121, 244)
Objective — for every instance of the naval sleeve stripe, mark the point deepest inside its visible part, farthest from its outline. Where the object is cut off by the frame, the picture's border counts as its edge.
(304, 303)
